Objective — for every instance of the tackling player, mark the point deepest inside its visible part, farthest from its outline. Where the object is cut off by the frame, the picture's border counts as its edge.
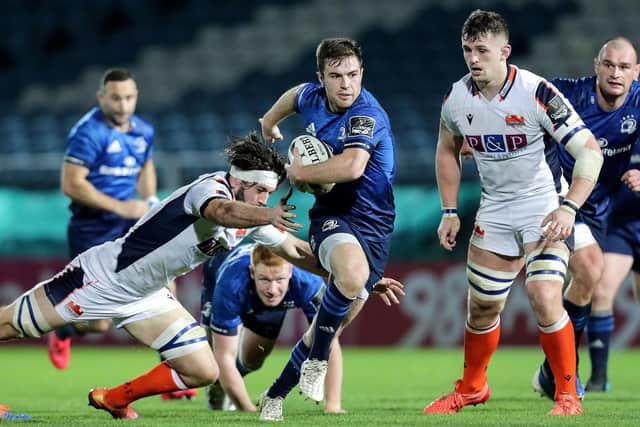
(503, 112)
(125, 280)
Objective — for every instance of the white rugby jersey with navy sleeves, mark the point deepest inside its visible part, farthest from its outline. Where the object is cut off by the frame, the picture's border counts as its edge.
(172, 239)
(507, 133)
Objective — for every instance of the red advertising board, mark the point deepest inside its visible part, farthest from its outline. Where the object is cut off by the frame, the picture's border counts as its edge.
(432, 313)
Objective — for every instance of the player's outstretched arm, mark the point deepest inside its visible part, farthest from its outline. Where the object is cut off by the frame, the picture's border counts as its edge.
(298, 252)
(448, 175)
(280, 110)
(236, 214)
(225, 352)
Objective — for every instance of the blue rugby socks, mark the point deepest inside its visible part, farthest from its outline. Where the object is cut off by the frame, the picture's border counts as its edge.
(291, 373)
(599, 331)
(332, 311)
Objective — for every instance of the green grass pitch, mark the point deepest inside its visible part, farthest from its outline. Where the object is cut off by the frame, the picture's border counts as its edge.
(382, 387)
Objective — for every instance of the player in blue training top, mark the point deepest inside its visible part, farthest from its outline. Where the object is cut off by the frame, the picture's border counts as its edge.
(621, 254)
(609, 104)
(351, 225)
(246, 296)
(107, 161)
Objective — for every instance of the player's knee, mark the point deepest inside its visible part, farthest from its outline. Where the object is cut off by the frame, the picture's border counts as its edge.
(27, 318)
(351, 281)
(182, 338)
(488, 287)
(250, 364)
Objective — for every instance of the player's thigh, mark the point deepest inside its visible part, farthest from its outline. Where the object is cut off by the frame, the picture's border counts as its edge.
(616, 268)
(349, 263)
(587, 263)
(254, 348)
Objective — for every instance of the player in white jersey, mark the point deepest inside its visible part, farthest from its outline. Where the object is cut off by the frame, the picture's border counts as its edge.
(125, 279)
(503, 113)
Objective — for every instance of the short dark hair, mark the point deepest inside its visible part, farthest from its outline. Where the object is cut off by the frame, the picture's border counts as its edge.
(116, 75)
(249, 153)
(483, 22)
(335, 50)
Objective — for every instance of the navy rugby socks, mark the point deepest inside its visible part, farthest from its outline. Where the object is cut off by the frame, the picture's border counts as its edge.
(332, 311)
(599, 331)
(290, 375)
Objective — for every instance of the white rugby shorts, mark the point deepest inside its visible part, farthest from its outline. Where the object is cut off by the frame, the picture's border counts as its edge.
(505, 227)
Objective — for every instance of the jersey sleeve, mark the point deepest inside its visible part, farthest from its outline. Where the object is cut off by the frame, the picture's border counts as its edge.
(225, 307)
(446, 114)
(83, 148)
(311, 289)
(556, 114)
(267, 235)
(202, 192)
(302, 96)
(365, 128)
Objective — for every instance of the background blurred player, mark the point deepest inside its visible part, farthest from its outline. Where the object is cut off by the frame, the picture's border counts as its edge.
(107, 161)
(503, 113)
(351, 225)
(125, 279)
(621, 254)
(6, 414)
(609, 104)
(246, 296)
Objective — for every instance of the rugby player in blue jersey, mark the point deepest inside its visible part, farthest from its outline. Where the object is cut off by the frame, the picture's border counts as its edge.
(609, 104)
(107, 163)
(246, 296)
(621, 254)
(351, 225)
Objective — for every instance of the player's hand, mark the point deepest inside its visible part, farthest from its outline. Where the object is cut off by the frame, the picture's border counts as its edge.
(632, 179)
(389, 290)
(270, 133)
(132, 209)
(558, 225)
(448, 230)
(281, 218)
(293, 171)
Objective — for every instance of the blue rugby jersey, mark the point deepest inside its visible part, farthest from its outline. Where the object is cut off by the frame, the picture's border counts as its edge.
(616, 132)
(368, 202)
(234, 291)
(625, 205)
(114, 160)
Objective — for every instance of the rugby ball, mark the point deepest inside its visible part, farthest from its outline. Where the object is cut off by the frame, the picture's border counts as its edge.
(311, 151)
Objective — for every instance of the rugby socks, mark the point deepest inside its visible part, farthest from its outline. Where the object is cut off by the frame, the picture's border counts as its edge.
(290, 375)
(558, 345)
(65, 332)
(599, 331)
(579, 315)
(332, 311)
(241, 368)
(160, 379)
(479, 346)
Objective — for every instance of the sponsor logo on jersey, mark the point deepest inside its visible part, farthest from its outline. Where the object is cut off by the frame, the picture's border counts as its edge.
(628, 125)
(118, 170)
(330, 224)
(211, 247)
(114, 147)
(361, 126)
(497, 143)
(610, 152)
(311, 129)
(514, 120)
(241, 232)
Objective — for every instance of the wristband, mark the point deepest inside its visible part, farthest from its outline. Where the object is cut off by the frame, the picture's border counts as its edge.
(449, 212)
(569, 206)
(152, 201)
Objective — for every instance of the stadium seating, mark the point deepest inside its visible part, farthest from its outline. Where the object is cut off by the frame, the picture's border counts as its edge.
(209, 69)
